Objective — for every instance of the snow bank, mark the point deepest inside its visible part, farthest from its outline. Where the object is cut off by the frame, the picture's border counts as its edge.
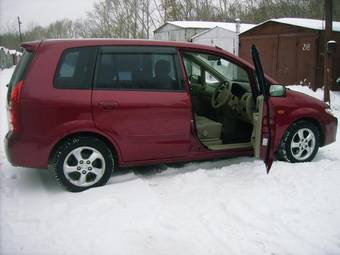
(225, 206)
(10, 52)
(315, 24)
(307, 23)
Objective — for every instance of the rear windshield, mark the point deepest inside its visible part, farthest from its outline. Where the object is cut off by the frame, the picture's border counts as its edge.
(20, 71)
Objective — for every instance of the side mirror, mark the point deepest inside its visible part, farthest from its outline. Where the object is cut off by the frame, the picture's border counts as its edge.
(277, 90)
(338, 81)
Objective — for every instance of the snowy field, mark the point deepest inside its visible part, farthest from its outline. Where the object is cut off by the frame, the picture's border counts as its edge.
(214, 207)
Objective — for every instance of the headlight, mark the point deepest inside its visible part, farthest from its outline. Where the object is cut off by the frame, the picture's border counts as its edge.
(329, 111)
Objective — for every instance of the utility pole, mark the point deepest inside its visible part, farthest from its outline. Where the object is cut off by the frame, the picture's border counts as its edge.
(19, 23)
(327, 56)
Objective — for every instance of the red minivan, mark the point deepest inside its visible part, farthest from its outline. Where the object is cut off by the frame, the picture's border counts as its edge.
(83, 107)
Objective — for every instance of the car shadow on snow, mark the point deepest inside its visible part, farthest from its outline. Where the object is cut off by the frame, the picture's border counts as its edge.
(172, 169)
(30, 179)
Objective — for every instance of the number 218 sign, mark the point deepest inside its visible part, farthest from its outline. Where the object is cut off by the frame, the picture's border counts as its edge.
(306, 47)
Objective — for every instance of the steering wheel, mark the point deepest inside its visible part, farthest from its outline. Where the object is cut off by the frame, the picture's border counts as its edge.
(222, 95)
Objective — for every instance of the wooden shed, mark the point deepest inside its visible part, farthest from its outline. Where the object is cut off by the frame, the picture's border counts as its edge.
(292, 50)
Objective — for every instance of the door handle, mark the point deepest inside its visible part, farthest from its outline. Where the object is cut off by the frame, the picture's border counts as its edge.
(108, 105)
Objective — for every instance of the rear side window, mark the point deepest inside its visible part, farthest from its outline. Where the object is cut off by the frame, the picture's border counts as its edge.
(137, 70)
(20, 71)
(75, 68)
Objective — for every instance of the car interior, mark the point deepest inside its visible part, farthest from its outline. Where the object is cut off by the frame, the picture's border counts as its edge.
(225, 112)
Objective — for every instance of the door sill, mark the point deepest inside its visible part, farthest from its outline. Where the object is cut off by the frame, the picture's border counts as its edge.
(218, 147)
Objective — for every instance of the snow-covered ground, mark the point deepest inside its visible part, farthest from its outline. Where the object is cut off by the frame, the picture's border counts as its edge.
(214, 207)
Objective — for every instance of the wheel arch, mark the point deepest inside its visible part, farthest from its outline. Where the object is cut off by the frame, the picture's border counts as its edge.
(281, 151)
(303, 119)
(315, 123)
(106, 140)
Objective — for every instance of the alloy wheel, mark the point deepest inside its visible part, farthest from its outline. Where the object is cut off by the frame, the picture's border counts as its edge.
(303, 144)
(84, 166)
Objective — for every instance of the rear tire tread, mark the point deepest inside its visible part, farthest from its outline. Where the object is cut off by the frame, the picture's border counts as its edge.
(65, 146)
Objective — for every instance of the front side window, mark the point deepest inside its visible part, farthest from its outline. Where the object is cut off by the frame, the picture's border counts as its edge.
(117, 69)
(207, 69)
(75, 68)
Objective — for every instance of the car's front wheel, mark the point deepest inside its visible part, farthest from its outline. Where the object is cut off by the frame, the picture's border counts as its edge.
(300, 143)
(82, 162)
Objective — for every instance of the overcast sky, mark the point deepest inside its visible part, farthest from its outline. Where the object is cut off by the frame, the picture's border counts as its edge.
(41, 12)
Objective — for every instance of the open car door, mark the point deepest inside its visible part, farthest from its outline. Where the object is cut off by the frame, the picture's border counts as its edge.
(264, 124)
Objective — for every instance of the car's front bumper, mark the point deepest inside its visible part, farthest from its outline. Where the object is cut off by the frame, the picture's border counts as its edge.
(330, 130)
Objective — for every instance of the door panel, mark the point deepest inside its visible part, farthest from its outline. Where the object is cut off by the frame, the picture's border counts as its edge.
(260, 136)
(267, 132)
(266, 123)
(257, 130)
(139, 100)
(145, 124)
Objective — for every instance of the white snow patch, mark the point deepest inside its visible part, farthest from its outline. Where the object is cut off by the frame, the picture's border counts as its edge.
(10, 52)
(306, 23)
(228, 206)
(334, 96)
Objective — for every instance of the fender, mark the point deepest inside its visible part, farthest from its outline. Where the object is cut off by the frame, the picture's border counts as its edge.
(80, 126)
(284, 121)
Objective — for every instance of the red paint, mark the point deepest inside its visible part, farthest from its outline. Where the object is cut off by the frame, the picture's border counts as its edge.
(144, 127)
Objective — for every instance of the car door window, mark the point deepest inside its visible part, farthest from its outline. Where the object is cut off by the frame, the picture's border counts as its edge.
(215, 69)
(137, 70)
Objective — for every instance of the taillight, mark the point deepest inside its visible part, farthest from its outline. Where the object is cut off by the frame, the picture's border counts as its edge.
(13, 107)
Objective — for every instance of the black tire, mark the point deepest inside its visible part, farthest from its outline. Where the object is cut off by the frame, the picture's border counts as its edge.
(96, 171)
(291, 145)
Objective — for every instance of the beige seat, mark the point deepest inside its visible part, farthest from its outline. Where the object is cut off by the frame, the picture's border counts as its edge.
(208, 130)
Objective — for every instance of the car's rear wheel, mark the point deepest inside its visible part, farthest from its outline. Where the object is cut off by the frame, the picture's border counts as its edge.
(82, 162)
(300, 143)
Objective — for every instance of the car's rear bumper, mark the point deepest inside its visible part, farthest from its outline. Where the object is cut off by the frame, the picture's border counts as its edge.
(7, 147)
(20, 152)
(330, 126)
